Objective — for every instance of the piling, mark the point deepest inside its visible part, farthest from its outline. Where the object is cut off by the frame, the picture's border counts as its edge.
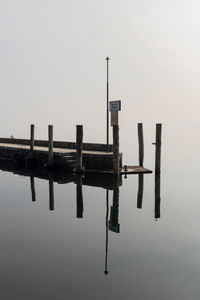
(32, 129)
(50, 143)
(116, 149)
(79, 148)
(158, 148)
(141, 144)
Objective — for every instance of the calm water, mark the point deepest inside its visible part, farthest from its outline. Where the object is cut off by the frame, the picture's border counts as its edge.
(60, 246)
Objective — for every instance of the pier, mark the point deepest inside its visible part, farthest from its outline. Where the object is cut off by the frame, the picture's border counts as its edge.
(76, 157)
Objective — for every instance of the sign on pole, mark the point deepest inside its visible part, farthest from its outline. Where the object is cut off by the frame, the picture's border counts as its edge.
(115, 105)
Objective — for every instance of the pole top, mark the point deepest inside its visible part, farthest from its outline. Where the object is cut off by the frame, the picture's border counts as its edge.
(107, 58)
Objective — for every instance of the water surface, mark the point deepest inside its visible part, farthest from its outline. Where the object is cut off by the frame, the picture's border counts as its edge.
(105, 241)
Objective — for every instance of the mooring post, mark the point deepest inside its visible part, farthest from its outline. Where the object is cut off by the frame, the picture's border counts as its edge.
(158, 148)
(50, 136)
(79, 197)
(51, 193)
(79, 148)
(116, 149)
(141, 144)
(32, 139)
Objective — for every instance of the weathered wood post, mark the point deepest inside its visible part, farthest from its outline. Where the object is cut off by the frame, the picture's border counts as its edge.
(50, 143)
(158, 148)
(79, 197)
(141, 144)
(32, 139)
(140, 190)
(116, 149)
(51, 194)
(79, 148)
(33, 188)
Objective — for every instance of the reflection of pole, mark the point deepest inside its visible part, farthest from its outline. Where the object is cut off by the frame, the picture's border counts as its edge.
(51, 194)
(33, 188)
(107, 105)
(140, 190)
(157, 196)
(79, 197)
(107, 212)
(114, 214)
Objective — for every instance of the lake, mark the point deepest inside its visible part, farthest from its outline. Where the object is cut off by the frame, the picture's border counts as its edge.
(100, 238)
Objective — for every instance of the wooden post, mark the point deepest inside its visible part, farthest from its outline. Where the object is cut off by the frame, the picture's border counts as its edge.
(50, 136)
(116, 149)
(51, 194)
(32, 139)
(79, 148)
(79, 197)
(140, 190)
(33, 188)
(141, 144)
(158, 148)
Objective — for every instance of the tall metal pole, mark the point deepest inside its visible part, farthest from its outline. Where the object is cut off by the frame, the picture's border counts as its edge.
(107, 104)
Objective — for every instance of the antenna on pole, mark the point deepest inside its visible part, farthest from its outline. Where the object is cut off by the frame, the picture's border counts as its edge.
(107, 105)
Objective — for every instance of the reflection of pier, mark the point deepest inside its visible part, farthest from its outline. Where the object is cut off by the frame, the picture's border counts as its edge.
(105, 181)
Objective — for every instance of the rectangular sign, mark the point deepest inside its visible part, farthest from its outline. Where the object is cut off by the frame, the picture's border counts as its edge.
(115, 105)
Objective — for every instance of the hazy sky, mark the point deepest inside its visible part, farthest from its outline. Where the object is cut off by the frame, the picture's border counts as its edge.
(53, 67)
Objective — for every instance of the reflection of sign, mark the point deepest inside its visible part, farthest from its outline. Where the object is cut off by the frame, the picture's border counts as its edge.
(115, 105)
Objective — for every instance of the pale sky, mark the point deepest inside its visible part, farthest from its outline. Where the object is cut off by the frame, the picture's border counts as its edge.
(53, 67)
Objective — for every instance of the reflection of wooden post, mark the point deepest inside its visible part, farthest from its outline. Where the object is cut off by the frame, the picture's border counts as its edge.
(141, 144)
(79, 197)
(116, 149)
(50, 135)
(33, 188)
(140, 190)
(32, 139)
(51, 194)
(158, 148)
(157, 196)
(114, 213)
(79, 148)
